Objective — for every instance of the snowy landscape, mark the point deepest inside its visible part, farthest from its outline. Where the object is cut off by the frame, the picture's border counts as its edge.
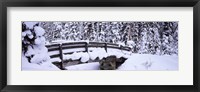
(100, 45)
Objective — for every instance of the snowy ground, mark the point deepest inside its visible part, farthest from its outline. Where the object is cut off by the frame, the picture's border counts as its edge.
(137, 62)
(88, 66)
(134, 61)
(150, 62)
(33, 66)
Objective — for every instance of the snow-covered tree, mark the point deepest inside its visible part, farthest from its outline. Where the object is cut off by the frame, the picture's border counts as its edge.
(143, 37)
(33, 43)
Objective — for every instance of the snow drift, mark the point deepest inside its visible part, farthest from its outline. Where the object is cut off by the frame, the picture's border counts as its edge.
(140, 62)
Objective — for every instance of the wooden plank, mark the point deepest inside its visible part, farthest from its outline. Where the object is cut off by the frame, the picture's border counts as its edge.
(96, 46)
(71, 43)
(68, 53)
(52, 45)
(52, 49)
(74, 45)
(71, 52)
(86, 47)
(70, 47)
(127, 49)
(55, 56)
(105, 47)
(113, 47)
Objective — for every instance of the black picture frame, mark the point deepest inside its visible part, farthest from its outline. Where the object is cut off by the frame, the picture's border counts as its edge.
(100, 3)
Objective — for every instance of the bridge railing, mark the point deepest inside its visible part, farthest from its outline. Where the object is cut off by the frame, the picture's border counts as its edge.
(57, 50)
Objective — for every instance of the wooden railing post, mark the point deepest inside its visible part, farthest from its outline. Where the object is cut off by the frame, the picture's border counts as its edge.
(120, 47)
(86, 47)
(61, 56)
(105, 47)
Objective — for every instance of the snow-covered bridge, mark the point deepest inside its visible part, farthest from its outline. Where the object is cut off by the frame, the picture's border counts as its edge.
(82, 50)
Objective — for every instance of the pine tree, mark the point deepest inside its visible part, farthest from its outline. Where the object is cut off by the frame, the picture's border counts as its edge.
(33, 43)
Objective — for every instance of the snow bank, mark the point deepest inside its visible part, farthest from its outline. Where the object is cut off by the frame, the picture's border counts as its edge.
(150, 62)
(140, 62)
(32, 66)
(134, 61)
(88, 66)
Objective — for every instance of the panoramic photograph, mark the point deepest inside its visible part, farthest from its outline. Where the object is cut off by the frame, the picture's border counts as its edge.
(99, 45)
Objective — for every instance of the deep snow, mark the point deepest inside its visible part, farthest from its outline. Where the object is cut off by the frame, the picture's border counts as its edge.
(141, 62)
(150, 62)
(33, 66)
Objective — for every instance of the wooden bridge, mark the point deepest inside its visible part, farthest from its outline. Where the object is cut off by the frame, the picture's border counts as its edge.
(57, 50)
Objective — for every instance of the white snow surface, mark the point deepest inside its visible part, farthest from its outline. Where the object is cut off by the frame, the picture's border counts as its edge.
(53, 53)
(150, 62)
(23, 34)
(30, 51)
(66, 41)
(88, 66)
(97, 52)
(138, 62)
(33, 66)
(30, 24)
(39, 31)
(93, 54)
(55, 60)
(40, 54)
(28, 32)
(40, 40)
(85, 57)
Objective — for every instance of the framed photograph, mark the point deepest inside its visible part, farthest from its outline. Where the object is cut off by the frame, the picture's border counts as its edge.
(74, 45)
